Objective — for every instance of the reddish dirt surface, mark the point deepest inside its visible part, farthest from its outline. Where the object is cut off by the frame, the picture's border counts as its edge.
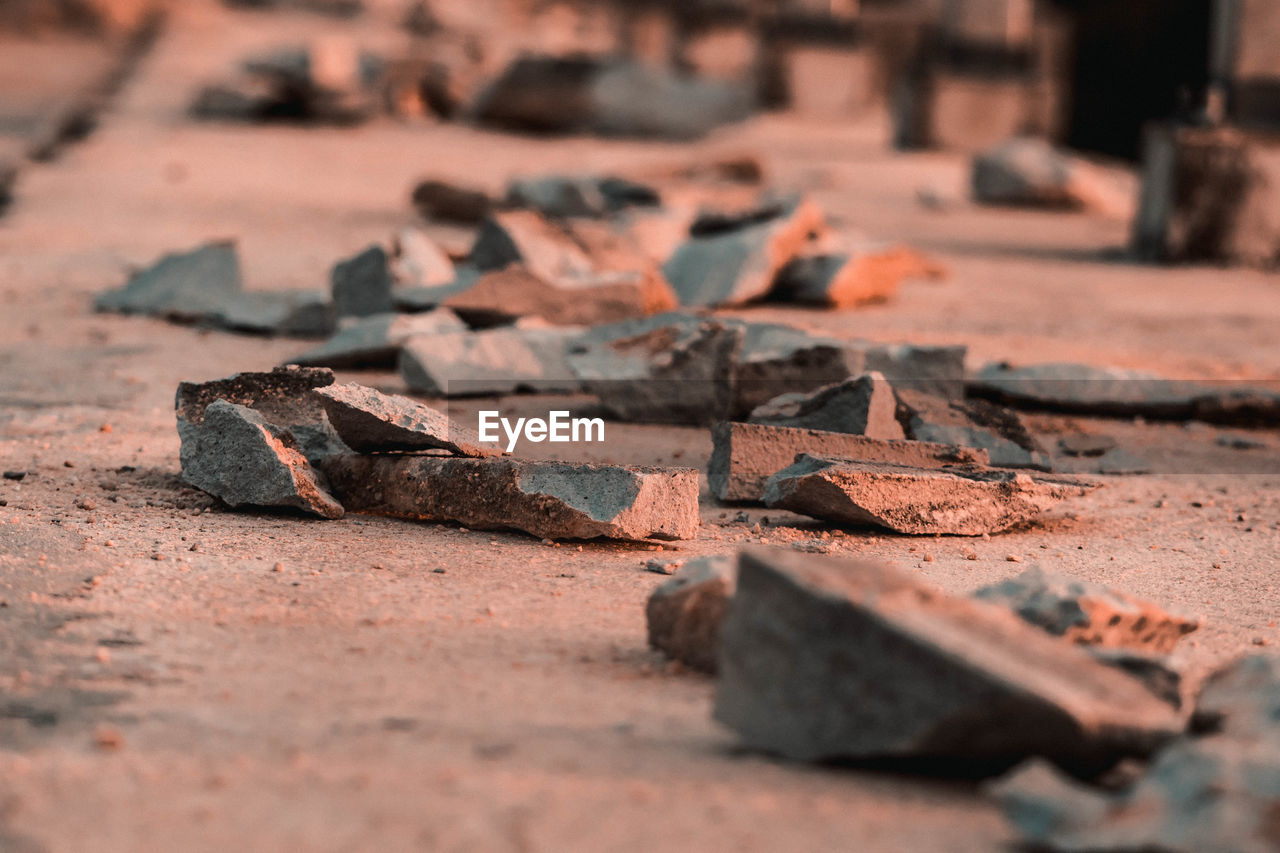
(176, 676)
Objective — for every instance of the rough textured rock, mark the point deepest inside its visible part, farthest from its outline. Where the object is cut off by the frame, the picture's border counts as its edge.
(1242, 699)
(581, 300)
(375, 341)
(733, 266)
(967, 500)
(447, 202)
(369, 421)
(1089, 614)
(864, 405)
(824, 659)
(418, 261)
(544, 248)
(868, 273)
(362, 284)
(283, 397)
(1030, 172)
(494, 361)
(295, 313)
(186, 286)
(236, 456)
(972, 423)
(553, 500)
(1164, 678)
(745, 456)
(684, 614)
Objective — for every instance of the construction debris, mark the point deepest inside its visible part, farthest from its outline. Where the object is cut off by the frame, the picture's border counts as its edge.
(1030, 172)
(443, 201)
(293, 313)
(417, 261)
(551, 500)
(826, 659)
(375, 341)
(684, 613)
(494, 361)
(362, 284)
(588, 299)
(862, 274)
(369, 421)
(972, 423)
(185, 286)
(1089, 614)
(863, 405)
(745, 456)
(968, 500)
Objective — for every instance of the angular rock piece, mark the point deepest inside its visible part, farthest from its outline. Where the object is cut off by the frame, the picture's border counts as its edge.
(446, 202)
(494, 361)
(561, 197)
(745, 456)
(965, 500)
(418, 261)
(736, 266)
(236, 456)
(279, 312)
(1088, 614)
(1030, 172)
(552, 500)
(864, 405)
(369, 421)
(1242, 699)
(845, 279)
(684, 614)
(1162, 677)
(544, 248)
(375, 341)
(972, 423)
(187, 286)
(362, 284)
(598, 298)
(823, 659)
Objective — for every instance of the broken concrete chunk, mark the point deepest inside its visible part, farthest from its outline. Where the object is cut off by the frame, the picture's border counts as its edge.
(845, 279)
(418, 261)
(736, 266)
(1242, 699)
(362, 284)
(494, 361)
(369, 421)
(965, 500)
(544, 248)
(824, 659)
(236, 456)
(1030, 172)
(684, 613)
(1089, 614)
(745, 456)
(447, 202)
(1157, 672)
(864, 405)
(551, 500)
(375, 341)
(597, 298)
(972, 423)
(299, 314)
(561, 197)
(186, 286)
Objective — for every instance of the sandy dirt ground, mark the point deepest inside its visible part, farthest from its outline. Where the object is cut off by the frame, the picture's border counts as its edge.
(176, 676)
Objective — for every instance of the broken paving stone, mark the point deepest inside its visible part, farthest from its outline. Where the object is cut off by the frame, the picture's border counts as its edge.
(279, 312)
(375, 341)
(550, 500)
(512, 293)
(237, 456)
(1089, 614)
(863, 405)
(494, 361)
(369, 421)
(418, 261)
(735, 266)
(967, 500)
(362, 284)
(684, 614)
(825, 659)
(447, 202)
(972, 423)
(1242, 699)
(186, 286)
(745, 456)
(867, 273)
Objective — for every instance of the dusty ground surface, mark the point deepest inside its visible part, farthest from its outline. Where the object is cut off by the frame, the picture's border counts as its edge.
(177, 676)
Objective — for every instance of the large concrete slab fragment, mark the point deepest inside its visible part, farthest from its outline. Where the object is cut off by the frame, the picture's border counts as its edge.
(362, 284)
(972, 423)
(186, 286)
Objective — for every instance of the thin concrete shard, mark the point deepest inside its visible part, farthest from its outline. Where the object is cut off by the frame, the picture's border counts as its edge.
(1087, 613)
(302, 314)
(972, 423)
(418, 261)
(565, 196)
(369, 421)
(965, 500)
(546, 249)
(236, 456)
(1030, 172)
(858, 276)
(186, 286)
(375, 341)
(863, 405)
(362, 284)
(684, 613)
(604, 297)
(494, 361)
(745, 456)
(552, 500)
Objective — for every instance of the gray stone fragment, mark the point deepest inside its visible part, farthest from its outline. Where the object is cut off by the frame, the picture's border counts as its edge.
(861, 273)
(823, 659)
(684, 614)
(446, 202)
(1242, 699)
(1088, 613)
(967, 500)
(864, 405)
(745, 456)
(236, 456)
(552, 500)
(494, 361)
(546, 249)
(564, 196)
(1162, 677)
(369, 421)
(187, 286)
(1113, 462)
(1030, 172)
(418, 261)
(375, 341)
(295, 313)
(508, 294)
(972, 423)
(362, 284)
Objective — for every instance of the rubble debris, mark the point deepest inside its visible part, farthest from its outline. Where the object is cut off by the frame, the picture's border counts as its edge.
(1030, 172)
(865, 273)
(972, 423)
(506, 295)
(375, 341)
(862, 405)
(684, 613)
(369, 421)
(562, 196)
(493, 361)
(824, 659)
(745, 456)
(447, 202)
(1113, 462)
(185, 286)
(417, 261)
(967, 500)
(663, 567)
(416, 299)
(295, 313)
(1089, 614)
(238, 457)
(1242, 699)
(362, 284)
(737, 265)
(741, 168)
(544, 248)
(1158, 672)
(550, 500)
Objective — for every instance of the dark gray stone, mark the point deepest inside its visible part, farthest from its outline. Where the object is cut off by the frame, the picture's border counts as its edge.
(300, 314)
(447, 202)
(187, 286)
(362, 284)
(972, 423)
(1242, 699)
(369, 421)
(864, 405)
(375, 341)
(684, 614)
(494, 361)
